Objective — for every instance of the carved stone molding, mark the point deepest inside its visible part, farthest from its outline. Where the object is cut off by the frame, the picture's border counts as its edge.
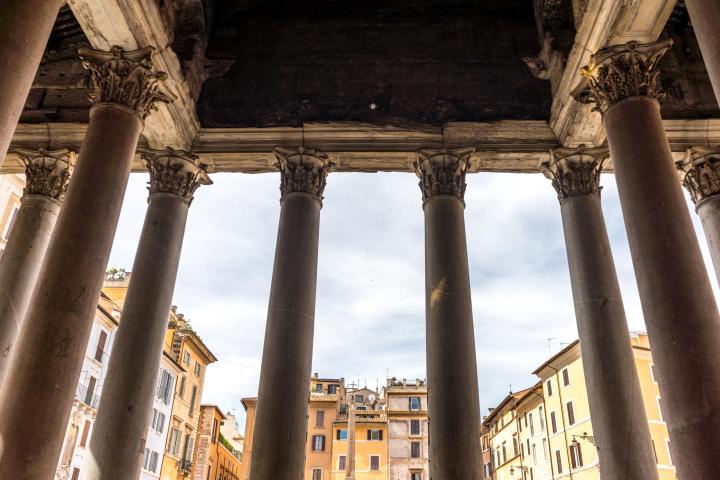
(442, 172)
(575, 172)
(125, 77)
(621, 71)
(700, 171)
(302, 170)
(47, 172)
(174, 172)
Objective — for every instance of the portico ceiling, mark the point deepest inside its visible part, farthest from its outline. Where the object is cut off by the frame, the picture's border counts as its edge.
(369, 83)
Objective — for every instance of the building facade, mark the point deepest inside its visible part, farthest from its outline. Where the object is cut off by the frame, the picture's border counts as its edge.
(545, 432)
(11, 190)
(213, 459)
(408, 437)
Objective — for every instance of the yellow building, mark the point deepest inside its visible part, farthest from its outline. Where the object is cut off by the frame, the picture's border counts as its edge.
(250, 406)
(186, 347)
(11, 190)
(326, 395)
(213, 458)
(545, 432)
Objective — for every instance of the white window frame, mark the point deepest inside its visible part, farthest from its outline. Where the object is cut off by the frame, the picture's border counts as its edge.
(370, 463)
(660, 410)
(317, 469)
(341, 469)
(419, 424)
(419, 404)
(652, 373)
(10, 220)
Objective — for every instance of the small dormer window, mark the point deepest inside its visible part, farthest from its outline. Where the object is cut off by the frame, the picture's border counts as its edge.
(359, 399)
(319, 387)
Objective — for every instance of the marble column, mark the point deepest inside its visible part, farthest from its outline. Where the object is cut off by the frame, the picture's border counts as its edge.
(25, 27)
(46, 179)
(453, 398)
(281, 417)
(120, 432)
(705, 18)
(617, 410)
(44, 368)
(700, 170)
(678, 304)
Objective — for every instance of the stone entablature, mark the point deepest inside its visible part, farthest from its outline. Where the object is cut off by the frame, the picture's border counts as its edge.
(700, 170)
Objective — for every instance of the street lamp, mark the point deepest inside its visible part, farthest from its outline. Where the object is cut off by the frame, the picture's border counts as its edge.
(586, 437)
(519, 467)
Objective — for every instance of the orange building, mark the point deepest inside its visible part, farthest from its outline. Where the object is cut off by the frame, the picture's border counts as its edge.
(213, 459)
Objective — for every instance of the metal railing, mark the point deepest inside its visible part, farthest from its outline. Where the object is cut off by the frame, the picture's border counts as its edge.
(88, 397)
(185, 465)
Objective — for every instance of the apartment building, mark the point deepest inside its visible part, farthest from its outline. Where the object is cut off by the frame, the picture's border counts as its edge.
(408, 437)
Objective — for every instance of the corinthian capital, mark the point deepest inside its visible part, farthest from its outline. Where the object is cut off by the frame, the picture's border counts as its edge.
(442, 172)
(302, 170)
(575, 172)
(174, 172)
(622, 71)
(125, 78)
(47, 172)
(700, 170)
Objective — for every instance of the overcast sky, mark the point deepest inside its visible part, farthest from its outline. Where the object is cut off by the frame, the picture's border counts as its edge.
(370, 294)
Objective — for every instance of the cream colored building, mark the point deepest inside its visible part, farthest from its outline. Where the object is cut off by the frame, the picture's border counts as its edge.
(11, 190)
(408, 437)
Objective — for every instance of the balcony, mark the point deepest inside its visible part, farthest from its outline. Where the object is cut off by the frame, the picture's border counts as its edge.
(185, 465)
(88, 397)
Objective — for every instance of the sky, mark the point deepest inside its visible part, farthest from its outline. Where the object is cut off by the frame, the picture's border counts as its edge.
(370, 319)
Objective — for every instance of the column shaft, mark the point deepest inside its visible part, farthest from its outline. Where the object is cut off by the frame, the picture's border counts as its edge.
(679, 307)
(20, 264)
(281, 418)
(120, 432)
(705, 17)
(125, 409)
(39, 386)
(453, 399)
(25, 27)
(709, 212)
(616, 404)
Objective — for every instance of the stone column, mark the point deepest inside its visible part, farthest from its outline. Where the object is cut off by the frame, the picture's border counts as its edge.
(700, 170)
(705, 17)
(120, 432)
(44, 369)
(46, 178)
(678, 303)
(281, 418)
(453, 399)
(618, 414)
(25, 27)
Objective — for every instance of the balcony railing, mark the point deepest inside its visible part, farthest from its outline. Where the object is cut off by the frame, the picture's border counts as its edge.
(185, 465)
(88, 397)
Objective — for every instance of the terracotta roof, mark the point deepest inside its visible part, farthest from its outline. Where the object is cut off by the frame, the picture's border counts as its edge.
(512, 396)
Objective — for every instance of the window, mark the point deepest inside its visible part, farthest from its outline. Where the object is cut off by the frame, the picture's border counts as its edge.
(526, 419)
(332, 389)
(576, 455)
(319, 387)
(515, 447)
(151, 460)
(100, 350)
(488, 470)
(545, 449)
(181, 389)
(484, 443)
(165, 383)
(571, 413)
(504, 453)
(320, 418)
(341, 435)
(660, 408)
(375, 435)
(415, 430)
(174, 444)
(318, 443)
(374, 463)
(558, 460)
(317, 474)
(534, 454)
(566, 377)
(553, 423)
(653, 373)
(548, 387)
(89, 393)
(186, 358)
(359, 399)
(414, 403)
(198, 369)
(213, 437)
(158, 421)
(667, 442)
(191, 410)
(655, 451)
(75, 474)
(85, 433)
(415, 476)
(414, 449)
(532, 426)
(341, 462)
(542, 419)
